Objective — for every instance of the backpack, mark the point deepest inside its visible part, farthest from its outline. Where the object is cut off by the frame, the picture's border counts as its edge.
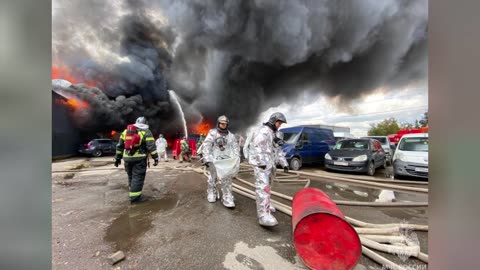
(132, 140)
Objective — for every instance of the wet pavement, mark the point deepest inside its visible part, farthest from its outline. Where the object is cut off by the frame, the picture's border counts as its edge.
(177, 228)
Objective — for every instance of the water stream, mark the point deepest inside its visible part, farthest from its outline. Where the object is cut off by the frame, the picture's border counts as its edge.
(174, 99)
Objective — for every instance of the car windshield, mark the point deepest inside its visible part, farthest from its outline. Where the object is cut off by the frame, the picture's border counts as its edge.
(291, 138)
(382, 140)
(352, 144)
(414, 144)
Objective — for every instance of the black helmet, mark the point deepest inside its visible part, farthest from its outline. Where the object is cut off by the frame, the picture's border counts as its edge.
(141, 120)
(278, 116)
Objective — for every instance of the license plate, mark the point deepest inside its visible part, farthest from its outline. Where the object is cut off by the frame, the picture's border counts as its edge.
(340, 163)
(421, 169)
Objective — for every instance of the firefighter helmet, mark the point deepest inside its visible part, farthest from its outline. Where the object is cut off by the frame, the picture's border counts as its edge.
(223, 119)
(141, 120)
(278, 116)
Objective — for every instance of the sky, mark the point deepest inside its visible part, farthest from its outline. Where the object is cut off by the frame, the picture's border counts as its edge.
(405, 105)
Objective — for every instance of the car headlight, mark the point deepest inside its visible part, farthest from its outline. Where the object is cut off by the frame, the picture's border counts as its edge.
(398, 156)
(360, 158)
(327, 156)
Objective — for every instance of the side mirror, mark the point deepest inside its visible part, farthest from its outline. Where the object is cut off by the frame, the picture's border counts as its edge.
(392, 146)
(299, 144)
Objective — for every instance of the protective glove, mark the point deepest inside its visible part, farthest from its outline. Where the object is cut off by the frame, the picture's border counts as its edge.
(285, 169)
(263, 167)
(155, 162)
(117, 161)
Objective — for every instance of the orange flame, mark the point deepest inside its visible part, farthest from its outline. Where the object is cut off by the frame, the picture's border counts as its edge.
(203, 128)
(73, 103)
(61, 72)
(113, 133)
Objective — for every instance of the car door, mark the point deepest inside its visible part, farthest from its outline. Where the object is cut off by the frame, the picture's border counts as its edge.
(374, 150)
(322, 143)
(106, 146)
(380, 153)
(305, 148)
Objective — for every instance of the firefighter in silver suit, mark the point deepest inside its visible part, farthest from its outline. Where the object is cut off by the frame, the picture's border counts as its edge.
(220, 144)
(259, 148)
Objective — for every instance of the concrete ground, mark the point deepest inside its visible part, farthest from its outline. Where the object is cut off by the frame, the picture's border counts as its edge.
(178, 229)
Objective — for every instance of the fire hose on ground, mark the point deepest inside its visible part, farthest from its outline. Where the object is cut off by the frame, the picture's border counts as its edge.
(371, 235)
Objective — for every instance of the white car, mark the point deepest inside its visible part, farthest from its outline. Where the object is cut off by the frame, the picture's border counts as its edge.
(411, 156)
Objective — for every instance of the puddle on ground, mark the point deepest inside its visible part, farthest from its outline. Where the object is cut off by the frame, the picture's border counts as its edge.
(125, 230)
(343, 191)
(406, 214)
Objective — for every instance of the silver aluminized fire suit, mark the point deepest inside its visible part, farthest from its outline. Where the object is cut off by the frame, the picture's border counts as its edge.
(260, 152)
(279, 157)
(216, 147)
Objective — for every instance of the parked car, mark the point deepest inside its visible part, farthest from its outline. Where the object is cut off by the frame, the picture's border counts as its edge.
(356, 155)
(342, 135)
(306, 145)
(98, 147)
(388, 146)
(411, 156)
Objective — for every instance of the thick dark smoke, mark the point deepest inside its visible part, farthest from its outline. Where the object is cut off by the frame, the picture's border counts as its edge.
(238, 58)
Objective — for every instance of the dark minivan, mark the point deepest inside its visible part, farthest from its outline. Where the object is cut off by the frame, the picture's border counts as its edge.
(98, 147)
(356, 155)
(306, 145)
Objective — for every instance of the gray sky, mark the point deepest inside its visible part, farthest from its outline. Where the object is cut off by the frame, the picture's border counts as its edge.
(406, 105)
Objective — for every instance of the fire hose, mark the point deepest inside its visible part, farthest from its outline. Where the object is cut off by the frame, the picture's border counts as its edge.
(372, 236)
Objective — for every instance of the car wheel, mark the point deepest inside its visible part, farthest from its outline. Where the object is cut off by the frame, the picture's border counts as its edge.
(97, 153)
(371, 168)
(295, 164)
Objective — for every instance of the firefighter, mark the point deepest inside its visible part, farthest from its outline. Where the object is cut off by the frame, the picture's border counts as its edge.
(136, 160)
(220, 144)
(200, 141)
(259, 149)
(161, 145)
(185, 150)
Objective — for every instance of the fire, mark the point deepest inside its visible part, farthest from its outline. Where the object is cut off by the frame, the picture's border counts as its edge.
(61, 72)
(73, 103)
(203, 128)
(113, 133)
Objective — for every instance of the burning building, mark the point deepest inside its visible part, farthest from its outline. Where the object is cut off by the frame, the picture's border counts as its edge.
(236, 58)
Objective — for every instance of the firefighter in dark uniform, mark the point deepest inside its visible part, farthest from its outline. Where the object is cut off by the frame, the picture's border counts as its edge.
(136, 164)
(185, 150)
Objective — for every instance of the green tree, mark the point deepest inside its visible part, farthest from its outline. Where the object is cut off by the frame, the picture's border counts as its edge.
(424, 121)
(406, 125)
(387, 126)
(417, 124)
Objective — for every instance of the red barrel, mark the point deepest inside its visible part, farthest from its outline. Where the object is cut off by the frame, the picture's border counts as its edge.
(321, 236)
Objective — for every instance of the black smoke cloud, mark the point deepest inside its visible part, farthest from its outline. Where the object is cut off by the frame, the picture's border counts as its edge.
(240, 58)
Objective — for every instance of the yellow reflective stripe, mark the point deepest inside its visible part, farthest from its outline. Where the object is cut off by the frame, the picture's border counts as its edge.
(150, 139)
(154, 152)
(136, 154)
(119, 152)
(142, 134)
(134, 194)
(123, 135)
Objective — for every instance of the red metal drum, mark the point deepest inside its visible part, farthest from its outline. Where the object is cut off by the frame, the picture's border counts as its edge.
(322, 237)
